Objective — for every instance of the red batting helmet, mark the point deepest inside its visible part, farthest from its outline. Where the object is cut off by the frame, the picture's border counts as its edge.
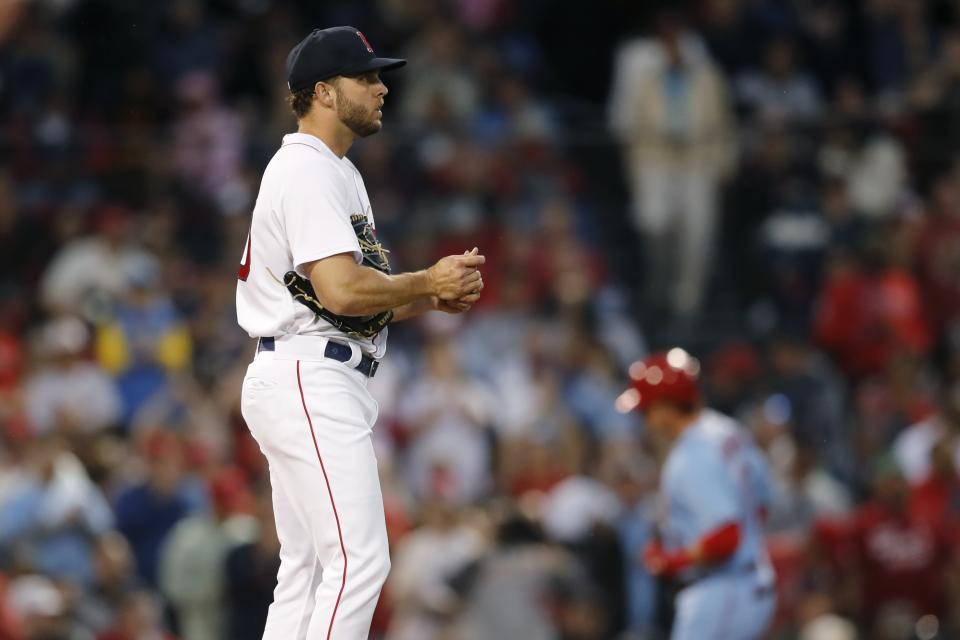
(669, 376)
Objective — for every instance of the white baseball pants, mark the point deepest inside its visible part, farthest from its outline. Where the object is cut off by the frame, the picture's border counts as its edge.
(312, 419)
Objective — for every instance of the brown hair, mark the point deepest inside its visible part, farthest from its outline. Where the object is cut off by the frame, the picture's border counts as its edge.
(300, 101)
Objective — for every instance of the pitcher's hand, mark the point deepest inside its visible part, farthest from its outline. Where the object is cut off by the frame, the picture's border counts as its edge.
(454, 277)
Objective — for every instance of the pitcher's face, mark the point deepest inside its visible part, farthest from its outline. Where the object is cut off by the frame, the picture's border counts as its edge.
(359, 102)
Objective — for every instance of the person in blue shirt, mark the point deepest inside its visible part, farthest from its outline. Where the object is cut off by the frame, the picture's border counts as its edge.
(634, 482)
(714, 493)
(146, 512)
(52, 513)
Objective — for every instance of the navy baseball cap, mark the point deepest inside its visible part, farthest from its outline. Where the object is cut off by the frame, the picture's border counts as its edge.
(337, 51)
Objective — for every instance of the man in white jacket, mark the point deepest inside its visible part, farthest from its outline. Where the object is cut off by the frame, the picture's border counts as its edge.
(670, 110)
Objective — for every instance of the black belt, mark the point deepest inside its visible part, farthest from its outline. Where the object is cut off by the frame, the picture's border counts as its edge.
(335, 351)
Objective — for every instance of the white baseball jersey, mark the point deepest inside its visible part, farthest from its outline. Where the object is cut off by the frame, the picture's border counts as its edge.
(309, 204)
(311, 415)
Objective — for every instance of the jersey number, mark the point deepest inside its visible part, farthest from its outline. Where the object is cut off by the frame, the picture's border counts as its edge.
(244, 271)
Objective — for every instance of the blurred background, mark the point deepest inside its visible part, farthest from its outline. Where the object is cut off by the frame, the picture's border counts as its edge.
(772, 184)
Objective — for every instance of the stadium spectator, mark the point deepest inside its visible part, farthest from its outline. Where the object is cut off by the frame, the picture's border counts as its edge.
(140, 616)
(144, 342)
(914, 447)
(780, 91)
(870, 311)
(114, 578)
(634, 483)
(51, 515)
(208, 141)
(425, 566)
(250, 575)
(149, 509)
(897, 553)
(89, 273)
(68, 393)
(509, 590)
(938, 252)
(446, 415)
(671, 111)
(39, 608)
(192, 561)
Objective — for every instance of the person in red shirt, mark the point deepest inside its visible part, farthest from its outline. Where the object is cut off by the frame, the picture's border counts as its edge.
(11, 627)
(937, 251)
(900, 558)
(870, 311)
(937, 499)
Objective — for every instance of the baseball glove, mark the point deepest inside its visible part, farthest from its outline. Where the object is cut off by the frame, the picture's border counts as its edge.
(358, 327)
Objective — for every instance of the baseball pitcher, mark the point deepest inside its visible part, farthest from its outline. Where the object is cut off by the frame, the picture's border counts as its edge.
(315, 287)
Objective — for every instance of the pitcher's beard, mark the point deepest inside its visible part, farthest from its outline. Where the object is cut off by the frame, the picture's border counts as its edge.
(361, 122)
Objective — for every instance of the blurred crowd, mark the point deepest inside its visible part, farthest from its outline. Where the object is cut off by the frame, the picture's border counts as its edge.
(778, 190)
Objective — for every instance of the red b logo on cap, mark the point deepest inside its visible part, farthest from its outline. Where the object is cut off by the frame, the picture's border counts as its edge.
(365, 43)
